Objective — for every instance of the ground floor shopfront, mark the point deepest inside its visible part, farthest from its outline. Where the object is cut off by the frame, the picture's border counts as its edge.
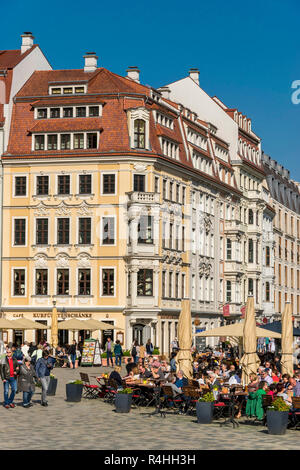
(161, 327)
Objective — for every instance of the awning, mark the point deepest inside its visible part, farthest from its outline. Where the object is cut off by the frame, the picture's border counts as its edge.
(236, 329)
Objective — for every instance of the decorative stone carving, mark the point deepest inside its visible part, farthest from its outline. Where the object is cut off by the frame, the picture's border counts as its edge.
(41, 261)
(84, 209)
(84, 261)
(41, 210)
(62, 261)
(140, 167)
(63, 209)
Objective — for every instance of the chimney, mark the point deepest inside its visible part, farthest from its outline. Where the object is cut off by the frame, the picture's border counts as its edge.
(133, 73)
(194, 74)
(27, 41)
(90, 62)
(165, 92)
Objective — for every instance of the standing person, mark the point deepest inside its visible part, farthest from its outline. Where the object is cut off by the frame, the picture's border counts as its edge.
(109, 349)
(25, 348)
(134, 352)
(43, 368)
(149, 348)
(9, 370)
(118, 353)
(26, 382)
(37, 354)
(142, 352)
(72, 354)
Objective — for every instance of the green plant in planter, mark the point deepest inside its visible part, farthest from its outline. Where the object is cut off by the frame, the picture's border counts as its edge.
(126, 353)
(126, 391)
(278, 405)
(208, 397)
(52, 376)
(155, 351)
(75, 382)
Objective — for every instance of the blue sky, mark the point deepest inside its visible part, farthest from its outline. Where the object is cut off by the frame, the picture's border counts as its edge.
(248, 53)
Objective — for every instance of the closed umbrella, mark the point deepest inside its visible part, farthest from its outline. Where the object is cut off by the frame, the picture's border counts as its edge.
(184, 355)
(287, 340)
(250, 360)
(54, 327)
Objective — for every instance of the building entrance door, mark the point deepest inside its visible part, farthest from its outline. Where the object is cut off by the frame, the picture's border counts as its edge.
(18, 337)
(138, 333)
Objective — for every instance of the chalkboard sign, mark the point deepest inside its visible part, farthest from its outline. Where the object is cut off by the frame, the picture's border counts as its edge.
(91, 353)
(200, 340)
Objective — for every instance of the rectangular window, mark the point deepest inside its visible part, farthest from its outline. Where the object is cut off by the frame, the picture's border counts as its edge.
(156, 184)
(85, 184)
(171, 237)
(228, 291)
(145, 282)
(52, 142)
(183, 286)
(177, 192)
(84, 236)
(65, 141)
(63, 184)
(68, 90)
(20, 232)
(84, 282)
(20, 186)
(250, 251)
(92, 140)
(42, 231)
(109, 182)
(79, 89)
(81, 112)
(170, 284)
(41, 113)
(171, 191)
(108, 281)
(176, 285)
(54, 113)
(93, 111)
(108, 231)
(183, 195)
(42, 185)
(67, 112)
(62, 282)
(39, 142)
(267, 256)
(163, 284)
(145, 230)
(63, 231)
(19, 282)
(139, 183)
(228, 249)
(41, 282)
(78, 141)
(164, 189)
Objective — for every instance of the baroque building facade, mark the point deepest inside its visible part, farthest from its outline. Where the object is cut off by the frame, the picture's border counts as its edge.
(120, 200)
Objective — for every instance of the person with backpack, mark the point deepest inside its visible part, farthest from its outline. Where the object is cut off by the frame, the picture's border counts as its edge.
(134, 352)
(43, 367)
(118, 353)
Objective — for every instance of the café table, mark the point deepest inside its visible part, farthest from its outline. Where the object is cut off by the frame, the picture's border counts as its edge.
(233, 399)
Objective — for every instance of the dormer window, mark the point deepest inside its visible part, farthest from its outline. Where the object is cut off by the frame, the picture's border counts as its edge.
(81, 112)
(54, 113)
(139, 133)
(67, 112)
(68, 90)
(55, 91)
(42, 113)
(79, 89)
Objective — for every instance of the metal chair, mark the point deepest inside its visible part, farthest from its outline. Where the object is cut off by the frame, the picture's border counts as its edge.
(169, 400)
(294, 414)
(89, 390)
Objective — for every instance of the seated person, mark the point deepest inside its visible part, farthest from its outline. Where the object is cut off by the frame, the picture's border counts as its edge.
(282, 392)
(115, 375)
(272, 390)
(181, 381)
(157, 372)
(144, 373)
(294, 387)
(235, 378)
(130, 365)
(171, 382)
(213, 381)
(253, 384)
(254, 407)
(265, 377)
(173, 362)
(285, 380)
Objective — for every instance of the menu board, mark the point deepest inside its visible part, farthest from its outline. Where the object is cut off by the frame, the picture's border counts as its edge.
(91, 353)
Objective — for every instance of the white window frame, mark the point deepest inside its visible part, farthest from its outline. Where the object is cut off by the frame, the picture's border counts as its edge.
(77, 280)
(115, 230)
(12, 282)
(77, 229)
(34, 282)
(14, 185)
(56, 230)
(34, 236)
(78, 184)
(102, 184)
(64, 195)
(55, 281)
(101, 285)
(13, 231)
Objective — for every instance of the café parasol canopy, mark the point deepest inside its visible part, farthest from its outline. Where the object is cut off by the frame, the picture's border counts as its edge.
(6, 324)
(26, 324)
(250, 360)
(287, 340)
(236, 330)
(184, 355)
(91, 325)
(100, 325)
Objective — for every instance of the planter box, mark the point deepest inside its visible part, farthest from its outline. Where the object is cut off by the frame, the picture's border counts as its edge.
(277, 422)
(205, 411)
(123, 402)
(52, 387)
(74, 392)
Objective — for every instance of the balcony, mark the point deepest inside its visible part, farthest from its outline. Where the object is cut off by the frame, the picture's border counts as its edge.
(254, 194)
(234, 226)
(143, 198)
(233, 267)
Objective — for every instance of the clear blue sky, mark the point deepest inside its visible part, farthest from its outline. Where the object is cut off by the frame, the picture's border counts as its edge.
(248, 52)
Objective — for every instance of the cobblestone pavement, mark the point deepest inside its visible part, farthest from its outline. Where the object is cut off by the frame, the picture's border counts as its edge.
(92, 424)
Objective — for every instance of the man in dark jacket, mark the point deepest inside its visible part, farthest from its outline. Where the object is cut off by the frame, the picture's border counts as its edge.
(9, 370)
(43, 368)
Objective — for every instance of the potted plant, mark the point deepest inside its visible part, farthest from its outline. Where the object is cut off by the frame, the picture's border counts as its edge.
(123, 400)
(205, 408)
(277, 416)
(74, 390)
(52, 385)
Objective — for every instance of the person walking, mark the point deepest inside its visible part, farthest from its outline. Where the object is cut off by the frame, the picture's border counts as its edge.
(43, 368)
(9, 370)
(134, 351)
(118, 353)
(72, 354)
(149, 348)
(109, 349)
(142, 352)
(27, 378)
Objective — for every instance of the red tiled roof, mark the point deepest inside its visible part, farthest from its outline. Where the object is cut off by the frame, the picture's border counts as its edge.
(67, 100)
(9, 59)
(200, 150)
(58, 125)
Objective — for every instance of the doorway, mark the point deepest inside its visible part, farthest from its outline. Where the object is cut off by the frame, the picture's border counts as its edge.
(138, 333)
(41, 334)
(83, 335)
(107, 334)
(63, 336)
(18, 337)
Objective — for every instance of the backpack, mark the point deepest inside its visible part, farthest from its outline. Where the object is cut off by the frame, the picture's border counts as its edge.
(33, 360)
(133, 352)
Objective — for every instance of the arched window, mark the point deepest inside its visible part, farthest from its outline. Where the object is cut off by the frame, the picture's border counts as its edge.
(139, 133)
